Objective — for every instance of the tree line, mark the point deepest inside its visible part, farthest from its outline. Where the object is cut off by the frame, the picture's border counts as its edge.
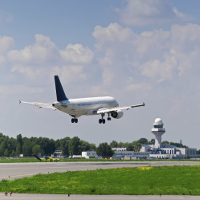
(29, 146)
(10, 146)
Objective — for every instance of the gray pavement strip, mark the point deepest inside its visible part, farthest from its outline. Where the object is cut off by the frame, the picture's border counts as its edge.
(17, 196)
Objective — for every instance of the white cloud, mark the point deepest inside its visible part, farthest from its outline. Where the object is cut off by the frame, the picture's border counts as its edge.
(155, 40)
(45, 51)
(114, 32)
(29, 71)
(77, 54)
(42, 51)
(108, 59)
(70, 73)
(158, 70)
(159, 55)
(43, 59)
(6, 44)
(148, 12)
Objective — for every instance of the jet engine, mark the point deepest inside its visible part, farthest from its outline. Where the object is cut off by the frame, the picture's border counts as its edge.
(117, 114)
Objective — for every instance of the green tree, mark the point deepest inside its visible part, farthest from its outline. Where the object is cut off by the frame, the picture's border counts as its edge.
(27, 147)
(84, 146)
(104, 150)
(36, 149)
(63, 145)
(74, 146)
(137, 146)
(165, 142)
(114, 144)
(143, 141)
(92, 147)
(3, 147)
(130, 147)
(151, 142)
(6, 153)
(47, 145)
(178, 144)
(122, 144)
(134, 146)
(19, 140)
(13, 154)
(18, 149)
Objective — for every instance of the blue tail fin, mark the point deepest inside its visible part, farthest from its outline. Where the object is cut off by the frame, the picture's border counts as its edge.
(59, 90)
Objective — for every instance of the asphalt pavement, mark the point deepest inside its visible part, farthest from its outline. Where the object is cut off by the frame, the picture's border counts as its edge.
(18, 170)
(16, 196)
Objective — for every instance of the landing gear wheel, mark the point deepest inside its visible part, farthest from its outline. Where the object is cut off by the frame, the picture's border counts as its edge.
(109, 118)
(76, 120)
(102, 120)
(72, 120)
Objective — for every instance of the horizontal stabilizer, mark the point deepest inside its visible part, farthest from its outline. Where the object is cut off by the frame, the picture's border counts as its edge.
(59, 90)
(40, 105)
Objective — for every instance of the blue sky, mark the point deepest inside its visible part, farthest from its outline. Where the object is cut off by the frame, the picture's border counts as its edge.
(137, 51)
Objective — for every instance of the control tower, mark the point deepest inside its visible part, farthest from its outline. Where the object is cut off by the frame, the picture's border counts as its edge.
(158, 131)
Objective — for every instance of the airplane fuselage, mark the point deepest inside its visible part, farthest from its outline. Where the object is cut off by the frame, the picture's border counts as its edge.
(85, 106)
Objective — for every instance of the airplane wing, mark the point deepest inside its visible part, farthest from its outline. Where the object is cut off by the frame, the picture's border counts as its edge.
(40, 105)
(109, 110)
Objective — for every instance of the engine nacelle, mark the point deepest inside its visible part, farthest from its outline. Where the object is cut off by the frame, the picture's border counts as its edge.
(117, 114)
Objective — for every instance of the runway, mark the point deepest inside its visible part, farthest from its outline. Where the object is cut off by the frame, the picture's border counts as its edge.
(18, 170)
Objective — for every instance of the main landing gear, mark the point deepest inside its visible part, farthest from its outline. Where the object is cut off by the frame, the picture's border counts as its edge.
(74, 120)
(102, 120)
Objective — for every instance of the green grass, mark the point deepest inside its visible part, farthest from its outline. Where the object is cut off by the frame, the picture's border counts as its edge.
(33, 159)
(169, 180)
(15, 160)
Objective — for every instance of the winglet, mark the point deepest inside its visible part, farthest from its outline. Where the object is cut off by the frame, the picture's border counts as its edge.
(59, 90)
(19, 101)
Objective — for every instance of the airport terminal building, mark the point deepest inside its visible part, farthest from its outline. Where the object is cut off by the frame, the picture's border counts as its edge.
(157, 150)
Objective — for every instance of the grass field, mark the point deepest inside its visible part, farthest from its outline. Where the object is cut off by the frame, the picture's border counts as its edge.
(33, 159)
(173, 180)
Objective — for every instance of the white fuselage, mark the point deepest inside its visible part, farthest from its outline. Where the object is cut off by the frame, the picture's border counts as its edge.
(85, 106)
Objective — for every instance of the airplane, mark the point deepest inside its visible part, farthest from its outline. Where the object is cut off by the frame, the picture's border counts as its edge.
(47, 159)
(84, 106)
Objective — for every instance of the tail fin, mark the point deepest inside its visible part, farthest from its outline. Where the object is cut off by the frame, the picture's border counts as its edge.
(37, 157)
(59, 90)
